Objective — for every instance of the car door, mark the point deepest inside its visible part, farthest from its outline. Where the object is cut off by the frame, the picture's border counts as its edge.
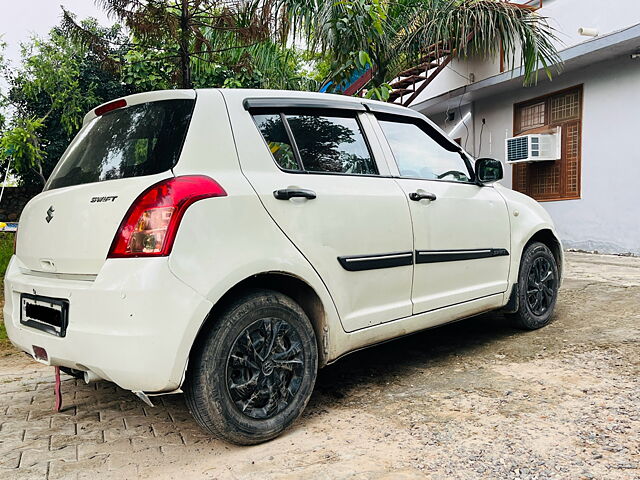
(461, 229)
(319, 179)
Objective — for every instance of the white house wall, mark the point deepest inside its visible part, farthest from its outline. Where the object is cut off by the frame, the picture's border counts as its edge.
(459, 73)
(460, 127)
(565, 16)
(607, 217)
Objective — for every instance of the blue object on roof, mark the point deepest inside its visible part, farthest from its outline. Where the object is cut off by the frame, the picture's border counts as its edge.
(341, 88)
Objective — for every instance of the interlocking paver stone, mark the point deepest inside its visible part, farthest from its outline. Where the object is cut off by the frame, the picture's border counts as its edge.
(95, 435)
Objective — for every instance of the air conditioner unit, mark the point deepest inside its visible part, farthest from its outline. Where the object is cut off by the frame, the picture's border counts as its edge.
(540, 147)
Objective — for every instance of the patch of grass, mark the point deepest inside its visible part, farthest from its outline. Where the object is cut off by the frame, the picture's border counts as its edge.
(3, 333)
(6, 250)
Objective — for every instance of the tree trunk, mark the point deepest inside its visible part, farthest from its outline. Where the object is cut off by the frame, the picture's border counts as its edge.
(185, 66)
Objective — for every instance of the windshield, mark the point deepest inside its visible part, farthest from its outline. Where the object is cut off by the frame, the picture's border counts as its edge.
(142, 139)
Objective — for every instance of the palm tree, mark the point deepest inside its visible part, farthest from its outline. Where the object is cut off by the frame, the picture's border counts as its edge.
(388, 36)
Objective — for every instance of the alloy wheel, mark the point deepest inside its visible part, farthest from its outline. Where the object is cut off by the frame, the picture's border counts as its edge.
(541, 284)
(265, 368)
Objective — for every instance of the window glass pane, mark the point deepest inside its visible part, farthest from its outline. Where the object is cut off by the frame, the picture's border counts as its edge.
(532, 116)
(138, 140)
(275, 135)
(419, 156)
(331, 144)
(565, 107)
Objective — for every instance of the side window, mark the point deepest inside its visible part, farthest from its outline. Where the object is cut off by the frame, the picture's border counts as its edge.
(331, 144)
(420, 156)
(275, 134)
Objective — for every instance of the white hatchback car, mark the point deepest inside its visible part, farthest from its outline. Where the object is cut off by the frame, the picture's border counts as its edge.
(229, 243)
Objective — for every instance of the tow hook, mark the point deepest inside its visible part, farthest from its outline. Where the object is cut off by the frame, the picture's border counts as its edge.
(144, 397)
(57, 390)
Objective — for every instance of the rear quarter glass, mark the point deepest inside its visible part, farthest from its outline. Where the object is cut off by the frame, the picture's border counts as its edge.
(134, 141)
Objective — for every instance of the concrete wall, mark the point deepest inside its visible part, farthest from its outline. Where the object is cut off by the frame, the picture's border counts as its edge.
(567, 16)
(607, 217)
(458, 73)
(460, 127)
(13, 201)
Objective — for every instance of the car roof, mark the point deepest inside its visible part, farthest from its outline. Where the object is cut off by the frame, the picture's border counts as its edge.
(293, 98)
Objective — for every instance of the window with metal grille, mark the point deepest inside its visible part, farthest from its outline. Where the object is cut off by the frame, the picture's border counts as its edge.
(560, 179)
(532, 116)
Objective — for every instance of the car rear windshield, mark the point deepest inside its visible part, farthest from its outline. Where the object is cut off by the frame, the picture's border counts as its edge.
(139, 140)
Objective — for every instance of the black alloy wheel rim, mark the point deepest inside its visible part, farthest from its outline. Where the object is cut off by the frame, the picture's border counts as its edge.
(265, 368)
(541, 285)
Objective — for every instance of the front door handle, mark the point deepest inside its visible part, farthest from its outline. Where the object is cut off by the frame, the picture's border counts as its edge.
(287, 193)
(421, 195)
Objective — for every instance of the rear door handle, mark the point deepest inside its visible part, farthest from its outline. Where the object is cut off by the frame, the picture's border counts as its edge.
(287, 193)
(417, 196)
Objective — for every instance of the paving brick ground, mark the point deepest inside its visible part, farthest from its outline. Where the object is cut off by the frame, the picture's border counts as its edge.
(471, 400)
(101, 429)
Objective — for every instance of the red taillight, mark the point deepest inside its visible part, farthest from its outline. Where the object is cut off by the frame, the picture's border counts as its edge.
(150, 226)
(116, 104)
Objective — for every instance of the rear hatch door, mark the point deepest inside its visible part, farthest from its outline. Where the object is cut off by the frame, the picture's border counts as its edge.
(70, 226)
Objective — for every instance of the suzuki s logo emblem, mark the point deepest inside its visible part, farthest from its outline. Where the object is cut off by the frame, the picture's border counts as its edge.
(49, 216)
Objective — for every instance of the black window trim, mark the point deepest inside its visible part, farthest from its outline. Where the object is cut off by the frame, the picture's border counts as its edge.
(292, 142)
(318, 111)
(436, 136)
(289, 136)
(392, 109)
(283, 103)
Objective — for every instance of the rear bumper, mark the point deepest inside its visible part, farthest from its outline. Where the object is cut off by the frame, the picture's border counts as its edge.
(133, 324)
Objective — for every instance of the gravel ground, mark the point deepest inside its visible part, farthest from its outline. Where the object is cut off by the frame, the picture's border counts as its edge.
(471, 400)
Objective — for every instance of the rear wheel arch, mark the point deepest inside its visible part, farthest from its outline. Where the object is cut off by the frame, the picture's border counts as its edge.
(292, 286)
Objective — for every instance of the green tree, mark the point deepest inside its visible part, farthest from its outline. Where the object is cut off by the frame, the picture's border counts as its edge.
(66, 74)
(177, 30)
(197, 43)
(3, 98)
(57, 83)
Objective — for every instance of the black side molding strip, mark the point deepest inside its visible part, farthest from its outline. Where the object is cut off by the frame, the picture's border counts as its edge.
(356, 263)
(434, 256)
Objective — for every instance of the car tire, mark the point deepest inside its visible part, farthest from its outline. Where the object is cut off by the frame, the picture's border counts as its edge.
(538, 283)
(253, 374)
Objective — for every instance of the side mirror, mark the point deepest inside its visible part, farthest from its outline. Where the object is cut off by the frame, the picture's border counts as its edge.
(488, 170)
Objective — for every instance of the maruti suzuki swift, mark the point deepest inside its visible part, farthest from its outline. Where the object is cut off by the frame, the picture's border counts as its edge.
(229, 243)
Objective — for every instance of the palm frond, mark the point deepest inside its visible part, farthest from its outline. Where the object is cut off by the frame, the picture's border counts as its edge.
(406, 28)
(95, 41)
(526, 38)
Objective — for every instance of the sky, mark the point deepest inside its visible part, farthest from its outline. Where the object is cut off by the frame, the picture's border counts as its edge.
(21, 19)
